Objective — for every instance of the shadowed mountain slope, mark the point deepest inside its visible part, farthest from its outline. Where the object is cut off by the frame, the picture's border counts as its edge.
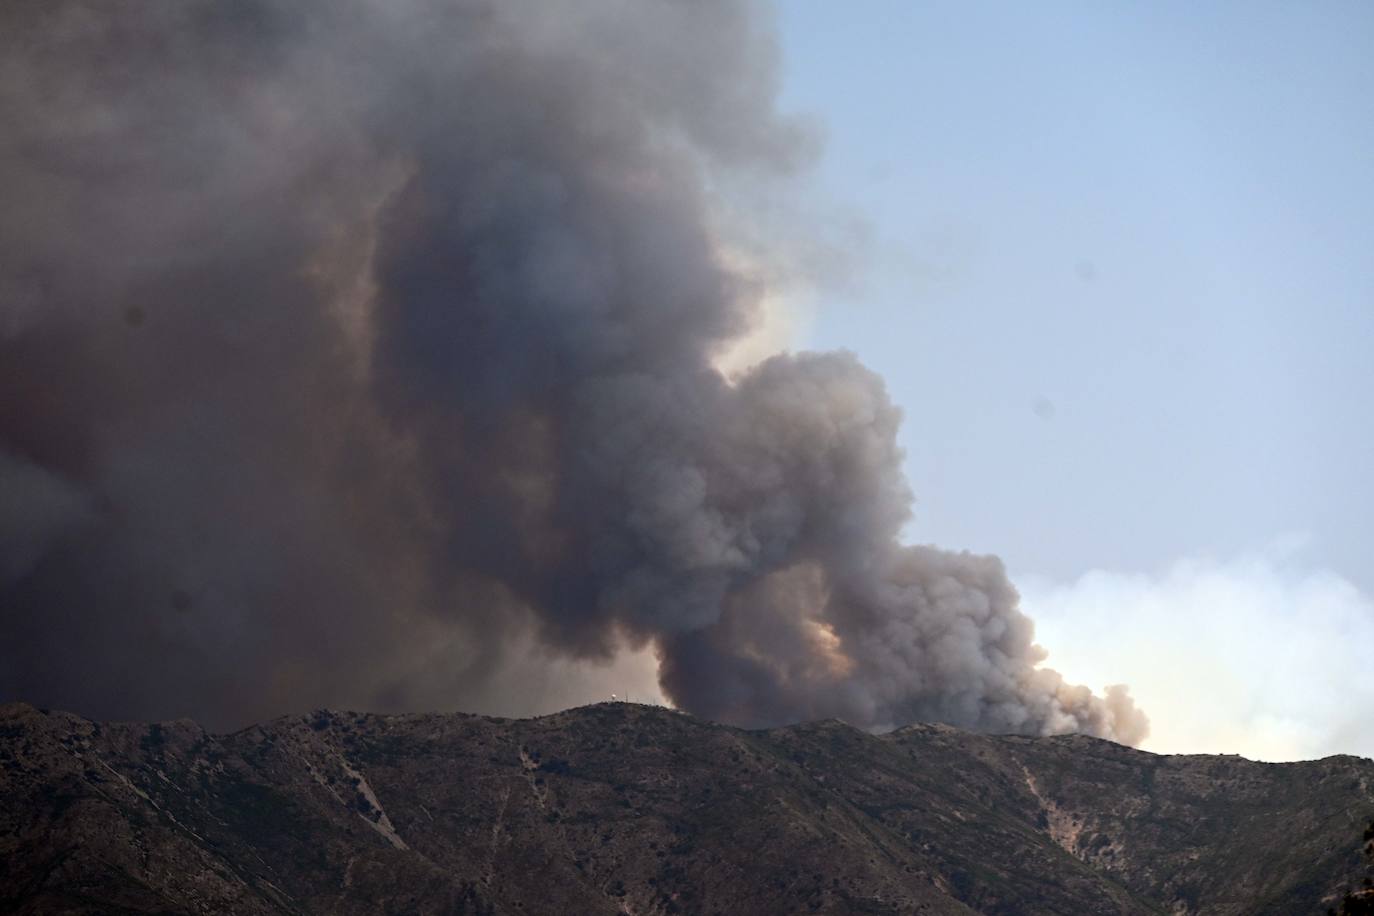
(620, 808)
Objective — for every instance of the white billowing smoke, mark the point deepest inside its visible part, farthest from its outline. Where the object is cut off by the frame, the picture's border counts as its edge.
(1203, 628)
(362, 348)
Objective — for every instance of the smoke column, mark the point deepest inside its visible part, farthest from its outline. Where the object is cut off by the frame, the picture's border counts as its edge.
(344, 345)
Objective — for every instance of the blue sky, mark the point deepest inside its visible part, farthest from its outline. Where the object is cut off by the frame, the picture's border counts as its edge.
(1117, 267)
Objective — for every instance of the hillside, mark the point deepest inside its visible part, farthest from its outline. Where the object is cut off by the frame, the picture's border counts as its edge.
(620, 808)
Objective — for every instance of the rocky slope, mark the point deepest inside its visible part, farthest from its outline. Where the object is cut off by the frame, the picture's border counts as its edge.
(619, 808)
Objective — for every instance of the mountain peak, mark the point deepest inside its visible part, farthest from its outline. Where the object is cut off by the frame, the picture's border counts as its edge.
(622, 807)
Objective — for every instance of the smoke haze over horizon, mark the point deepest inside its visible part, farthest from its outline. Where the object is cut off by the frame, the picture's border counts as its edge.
(367, 353)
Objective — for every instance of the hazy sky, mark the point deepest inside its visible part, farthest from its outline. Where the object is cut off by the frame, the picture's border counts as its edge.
(1115, 265)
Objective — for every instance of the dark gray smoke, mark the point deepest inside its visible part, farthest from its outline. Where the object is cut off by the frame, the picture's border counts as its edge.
(346, 345)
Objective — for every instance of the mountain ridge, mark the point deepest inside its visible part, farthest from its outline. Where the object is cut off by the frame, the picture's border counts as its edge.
(624, 808)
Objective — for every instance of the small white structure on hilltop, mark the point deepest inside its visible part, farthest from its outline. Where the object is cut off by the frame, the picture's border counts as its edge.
(614, 699)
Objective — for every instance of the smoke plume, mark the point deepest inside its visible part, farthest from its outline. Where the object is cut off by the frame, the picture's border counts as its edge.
(346, 346)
